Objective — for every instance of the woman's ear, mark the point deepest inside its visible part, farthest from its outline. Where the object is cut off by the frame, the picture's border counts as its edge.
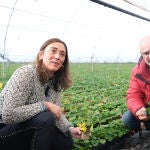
(41, 55)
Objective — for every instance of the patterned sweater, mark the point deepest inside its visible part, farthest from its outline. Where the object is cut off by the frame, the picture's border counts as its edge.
(23, 97)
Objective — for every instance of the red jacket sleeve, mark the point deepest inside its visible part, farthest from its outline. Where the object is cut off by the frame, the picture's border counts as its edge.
(134, 94)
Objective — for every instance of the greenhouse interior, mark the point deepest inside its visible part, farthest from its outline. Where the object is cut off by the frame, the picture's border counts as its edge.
(102, 38)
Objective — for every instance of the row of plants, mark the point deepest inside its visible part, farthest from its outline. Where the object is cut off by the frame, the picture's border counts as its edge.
(98, 99)
(6, 70)
(95, 102)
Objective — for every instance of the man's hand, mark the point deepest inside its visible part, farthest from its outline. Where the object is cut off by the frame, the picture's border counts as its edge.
(142, 115)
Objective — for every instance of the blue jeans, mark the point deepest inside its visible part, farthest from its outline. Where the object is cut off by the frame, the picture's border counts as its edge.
(46, 135)
(132, 122)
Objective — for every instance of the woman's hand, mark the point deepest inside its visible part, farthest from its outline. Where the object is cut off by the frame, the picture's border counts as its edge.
(75, 132)
(56, 110)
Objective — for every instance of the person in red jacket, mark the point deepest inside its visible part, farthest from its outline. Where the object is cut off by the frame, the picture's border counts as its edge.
(138, 94)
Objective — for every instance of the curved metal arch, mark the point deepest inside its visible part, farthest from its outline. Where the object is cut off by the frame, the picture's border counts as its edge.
(138, 4)
(5, 38)
(120, 9)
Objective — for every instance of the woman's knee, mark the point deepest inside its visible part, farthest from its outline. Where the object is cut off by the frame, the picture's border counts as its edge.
(45, 117)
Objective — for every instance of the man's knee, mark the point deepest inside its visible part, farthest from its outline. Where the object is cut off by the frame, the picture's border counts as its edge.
(129, 120)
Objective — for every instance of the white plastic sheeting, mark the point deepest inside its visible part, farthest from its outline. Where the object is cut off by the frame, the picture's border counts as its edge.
(89, 29)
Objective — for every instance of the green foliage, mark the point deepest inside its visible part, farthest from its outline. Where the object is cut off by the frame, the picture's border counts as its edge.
(6, 70)
(98, 98)
(148, 109)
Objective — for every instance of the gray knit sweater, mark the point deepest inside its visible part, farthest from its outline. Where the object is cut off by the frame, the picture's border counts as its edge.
(23, 97)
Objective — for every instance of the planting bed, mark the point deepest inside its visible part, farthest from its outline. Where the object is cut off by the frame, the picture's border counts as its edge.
(128, 143)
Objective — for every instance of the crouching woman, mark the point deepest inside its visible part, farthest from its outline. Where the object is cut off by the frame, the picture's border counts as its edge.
(31, 100)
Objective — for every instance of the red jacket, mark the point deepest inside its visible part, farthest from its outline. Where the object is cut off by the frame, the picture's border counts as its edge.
(138, 94)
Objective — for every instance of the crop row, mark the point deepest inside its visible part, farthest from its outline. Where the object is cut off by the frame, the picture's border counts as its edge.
(98, 98)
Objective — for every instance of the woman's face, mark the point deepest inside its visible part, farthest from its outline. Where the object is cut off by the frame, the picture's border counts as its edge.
(53, 57)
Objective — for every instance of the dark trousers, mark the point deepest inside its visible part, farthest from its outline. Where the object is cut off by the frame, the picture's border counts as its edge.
(40, 133)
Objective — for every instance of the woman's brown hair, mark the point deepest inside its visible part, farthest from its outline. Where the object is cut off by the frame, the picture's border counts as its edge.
(61, 79)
